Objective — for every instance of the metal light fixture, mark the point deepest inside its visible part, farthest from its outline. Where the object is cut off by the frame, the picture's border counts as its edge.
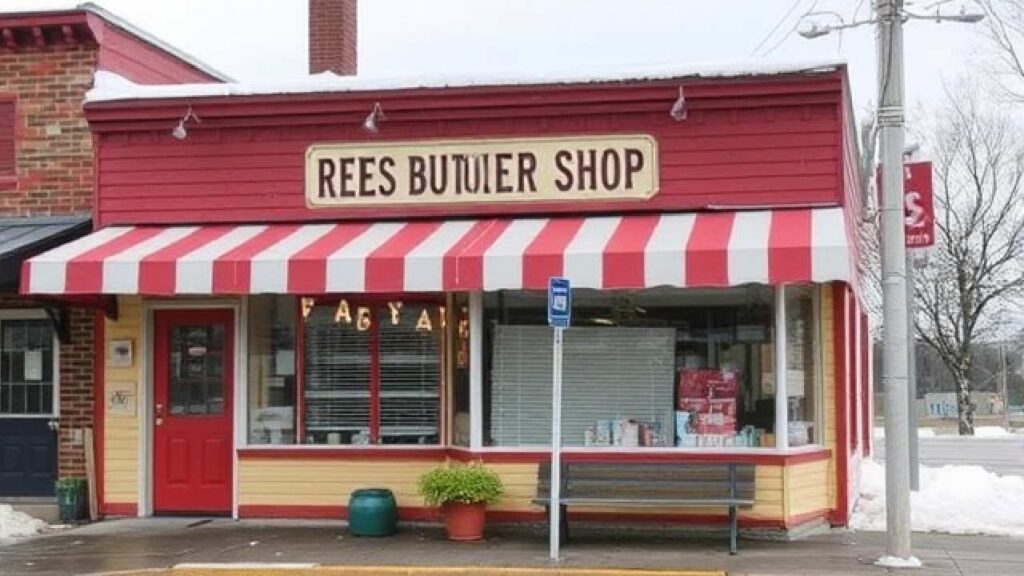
(678, 110)
(180, 132)
(375, 116)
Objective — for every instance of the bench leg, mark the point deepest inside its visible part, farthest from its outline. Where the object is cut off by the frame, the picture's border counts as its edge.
(564, 523)
(733, 529)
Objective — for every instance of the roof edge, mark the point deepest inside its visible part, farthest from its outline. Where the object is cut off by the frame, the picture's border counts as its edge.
(156, 42)
(111, 87)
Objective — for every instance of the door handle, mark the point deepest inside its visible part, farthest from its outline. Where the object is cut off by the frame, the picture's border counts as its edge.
(53, 424)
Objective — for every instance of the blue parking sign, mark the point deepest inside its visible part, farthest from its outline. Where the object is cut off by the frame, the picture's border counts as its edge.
(559, 302)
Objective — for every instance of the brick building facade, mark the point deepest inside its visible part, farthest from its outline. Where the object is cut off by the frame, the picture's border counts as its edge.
(47, 64)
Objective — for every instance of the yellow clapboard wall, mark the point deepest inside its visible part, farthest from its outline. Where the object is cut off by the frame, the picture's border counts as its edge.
(120, 430)
(330, 481)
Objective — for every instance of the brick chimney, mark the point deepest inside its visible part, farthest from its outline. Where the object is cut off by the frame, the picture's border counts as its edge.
(332, 36)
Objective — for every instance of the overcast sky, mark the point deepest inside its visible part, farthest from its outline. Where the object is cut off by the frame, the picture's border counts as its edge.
(266, 39)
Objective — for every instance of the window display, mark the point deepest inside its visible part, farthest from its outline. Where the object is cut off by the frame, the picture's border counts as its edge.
(714, 348)
(355, 373)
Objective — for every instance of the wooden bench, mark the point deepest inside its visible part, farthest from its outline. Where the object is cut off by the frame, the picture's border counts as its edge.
(650, 485)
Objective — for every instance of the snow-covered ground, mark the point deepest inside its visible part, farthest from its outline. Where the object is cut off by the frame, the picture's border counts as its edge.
(14, 524)
(952, 499)
(979, 432)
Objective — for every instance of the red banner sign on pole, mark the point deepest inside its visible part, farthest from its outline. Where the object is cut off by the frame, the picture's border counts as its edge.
(918, 204)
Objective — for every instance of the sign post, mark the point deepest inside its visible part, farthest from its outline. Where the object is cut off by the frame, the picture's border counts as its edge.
(559, 317)
(919, 231)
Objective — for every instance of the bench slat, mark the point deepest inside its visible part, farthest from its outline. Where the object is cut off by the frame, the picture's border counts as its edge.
(647, 503)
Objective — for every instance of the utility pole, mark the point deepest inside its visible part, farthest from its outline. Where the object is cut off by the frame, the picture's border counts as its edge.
(889, 14)
(1003, 386)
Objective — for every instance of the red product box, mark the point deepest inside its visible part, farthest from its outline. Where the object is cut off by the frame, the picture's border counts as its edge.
(697, 405)
(726, 406)
(695, 382)
(725, 386)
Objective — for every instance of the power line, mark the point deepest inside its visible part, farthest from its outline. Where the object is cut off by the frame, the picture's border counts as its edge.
(792, 29)
(776, 27)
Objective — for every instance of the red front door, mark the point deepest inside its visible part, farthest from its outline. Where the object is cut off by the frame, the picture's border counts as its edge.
(193, 368)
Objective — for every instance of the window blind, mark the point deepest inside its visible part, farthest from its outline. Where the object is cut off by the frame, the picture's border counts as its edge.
(608, 373)
(410, 382)
(337, 378)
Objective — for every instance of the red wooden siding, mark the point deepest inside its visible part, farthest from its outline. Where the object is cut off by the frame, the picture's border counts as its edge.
(722, 157)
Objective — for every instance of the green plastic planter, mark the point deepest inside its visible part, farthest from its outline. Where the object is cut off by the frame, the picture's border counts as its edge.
(71, 502)
(372, 512)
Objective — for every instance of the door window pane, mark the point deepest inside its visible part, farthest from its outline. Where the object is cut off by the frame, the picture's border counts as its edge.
(196, 370)
(26, 367)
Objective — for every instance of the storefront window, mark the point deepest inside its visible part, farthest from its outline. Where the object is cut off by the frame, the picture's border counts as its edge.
(372, 371)
(272, 370)
(801, 365)
(658, 368)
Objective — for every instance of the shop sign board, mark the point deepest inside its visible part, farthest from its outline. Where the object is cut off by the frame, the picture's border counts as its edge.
(918, 204)
(481, 171)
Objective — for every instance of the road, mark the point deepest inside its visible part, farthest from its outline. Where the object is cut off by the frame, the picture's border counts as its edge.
(999, 455)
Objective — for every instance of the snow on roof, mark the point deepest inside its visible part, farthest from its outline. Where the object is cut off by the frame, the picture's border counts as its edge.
(109, 86)
(134, 30)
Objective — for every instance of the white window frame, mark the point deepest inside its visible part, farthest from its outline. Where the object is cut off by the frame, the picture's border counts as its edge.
(476, 321)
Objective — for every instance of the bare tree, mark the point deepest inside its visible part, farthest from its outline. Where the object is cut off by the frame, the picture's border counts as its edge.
(1004, 25)
(975, 271)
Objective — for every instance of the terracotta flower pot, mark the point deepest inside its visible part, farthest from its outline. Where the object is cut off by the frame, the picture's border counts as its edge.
(464, 521)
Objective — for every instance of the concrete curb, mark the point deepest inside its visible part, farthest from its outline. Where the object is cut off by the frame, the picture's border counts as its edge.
(318, 570)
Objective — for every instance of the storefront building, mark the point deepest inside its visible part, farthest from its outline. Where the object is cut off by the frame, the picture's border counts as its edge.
(339, 284)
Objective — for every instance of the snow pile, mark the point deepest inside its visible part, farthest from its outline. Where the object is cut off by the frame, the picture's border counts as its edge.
(14, 524)
(991, 432)
(952, 499)
(897, 562)
(110, 86)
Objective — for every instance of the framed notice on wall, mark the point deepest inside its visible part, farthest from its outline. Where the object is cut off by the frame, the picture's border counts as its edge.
(121, 398)
(119, 353)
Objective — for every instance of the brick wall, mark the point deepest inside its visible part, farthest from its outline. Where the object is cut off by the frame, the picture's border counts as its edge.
(55, 177)
(54, 147)
(332, 36)
(76, 392)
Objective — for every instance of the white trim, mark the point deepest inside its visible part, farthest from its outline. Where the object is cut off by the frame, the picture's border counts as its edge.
(818, 329)
(240, 436)
(145, 411)
(476, 370)
(644, 450)
(781, 393)
(146, 452)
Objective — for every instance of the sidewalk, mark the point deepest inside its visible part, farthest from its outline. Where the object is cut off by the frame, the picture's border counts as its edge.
(134, 544)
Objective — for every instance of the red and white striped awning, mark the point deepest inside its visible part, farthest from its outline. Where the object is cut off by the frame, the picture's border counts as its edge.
(608, 252)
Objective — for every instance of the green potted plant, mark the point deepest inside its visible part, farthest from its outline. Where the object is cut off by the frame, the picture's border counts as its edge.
(463, 493)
